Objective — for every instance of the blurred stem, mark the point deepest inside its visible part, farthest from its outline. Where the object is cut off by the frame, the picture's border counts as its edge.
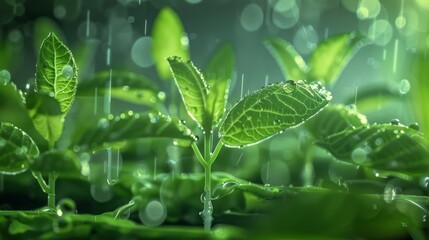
(208, 208)
(49, 188)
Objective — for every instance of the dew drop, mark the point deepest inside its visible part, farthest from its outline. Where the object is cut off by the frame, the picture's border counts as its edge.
(66, 206)
(414, 126)
(404, 86)
(389, 193)
(359, 155)
(4, 77)
(101, 193)
(424, 181)
(290, 86)
(103, 123)
(395, 121)
(141, 52)
(67, 71)
(252, 17)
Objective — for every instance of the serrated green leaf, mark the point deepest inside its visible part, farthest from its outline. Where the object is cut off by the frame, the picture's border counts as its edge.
(64, 162)
(271, 110)
(387, 147)
(133, 126)
(333, 119)
(168, 40)
(45, 112)
(192, 88)
(57, 72)
(219, 73)
(291, 63)
(16, 149)
(331, 56)
(124, 85)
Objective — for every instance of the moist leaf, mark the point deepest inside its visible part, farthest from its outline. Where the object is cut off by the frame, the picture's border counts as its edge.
(16, 149)
(168, 35)
(192, 88)
(388, 147)
(331, 56)
(56, 72)
(219, 73)
(272, 110)
(291, 63)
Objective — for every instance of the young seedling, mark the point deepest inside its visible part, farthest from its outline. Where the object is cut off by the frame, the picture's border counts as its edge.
(254, 118)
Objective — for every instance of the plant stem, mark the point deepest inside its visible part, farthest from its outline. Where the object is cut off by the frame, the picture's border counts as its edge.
(208, 207)
(52, 178)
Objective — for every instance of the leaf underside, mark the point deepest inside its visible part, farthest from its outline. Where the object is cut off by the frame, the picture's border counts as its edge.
(16, 149)
(271, 110)
(133, 126)
(56, 72)
(218, 74)
(192, 88)
(388, 147)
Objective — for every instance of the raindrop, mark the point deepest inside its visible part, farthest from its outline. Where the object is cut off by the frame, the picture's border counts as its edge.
(290, 86)
(184, 40)
(67, 71)
(4, 76)
(378, 141)
(359, 155)
(141, 52)
(394, 121)
(285, 14)
(424, 181)
(154, 214)
(404, 86)
(224, 189)
(400, 21)
(380, 32)
(114, 161)
(414, 126)
(101, 193)
(389, 193)
(368, 9)
(252, 17)
(66, 206)
(103, 123)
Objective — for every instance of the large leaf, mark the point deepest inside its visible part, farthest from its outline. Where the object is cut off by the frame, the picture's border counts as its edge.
(57, 72)
(271, 110)
(45, 112)
(124, 85)
(16, 149)
(331, 56)
(133, 126)
(192, 88)
(291, 63)
(219, 73)
(63, 162)
(333, 119)
(169, 39)
(388, 147)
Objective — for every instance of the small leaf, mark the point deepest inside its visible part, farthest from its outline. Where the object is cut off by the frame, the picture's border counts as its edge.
(133, 126)
(192, 88)
(46, 115)
(271, 110)
(333, 119)
(291, 63)
(57, 72)
(169, 39)
(388, 147)
(331, 56)
(64, 162)
(16, 149)
(219, 73)
(124, 85)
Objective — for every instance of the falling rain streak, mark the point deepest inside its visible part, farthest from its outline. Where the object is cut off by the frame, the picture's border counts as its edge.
(242, 81)
(145, 26)
(88, 14)
(395, 55)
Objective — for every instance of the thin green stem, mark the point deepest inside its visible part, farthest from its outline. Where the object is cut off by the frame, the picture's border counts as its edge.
(216, 152)
(198, 154)
(208, 207)
(38, 176)
(207, 145)
(52, 178)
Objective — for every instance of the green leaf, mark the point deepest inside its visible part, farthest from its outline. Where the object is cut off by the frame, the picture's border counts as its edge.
(64, 162)
(169, 39)
(16, 149)
(45, 112)
(333, 119)
(271, 110)
(124, 85)
(133, 126)
(373, 97)
(291, 63)
(387, 147)
(192, 88)
(331, 56)
(219, 73)
(57, 72)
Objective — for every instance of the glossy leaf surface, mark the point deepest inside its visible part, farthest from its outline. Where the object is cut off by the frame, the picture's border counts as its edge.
(16, 149)
(272, 110)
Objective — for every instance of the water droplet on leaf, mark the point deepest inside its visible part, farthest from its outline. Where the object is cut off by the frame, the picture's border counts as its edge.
(67, 71)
